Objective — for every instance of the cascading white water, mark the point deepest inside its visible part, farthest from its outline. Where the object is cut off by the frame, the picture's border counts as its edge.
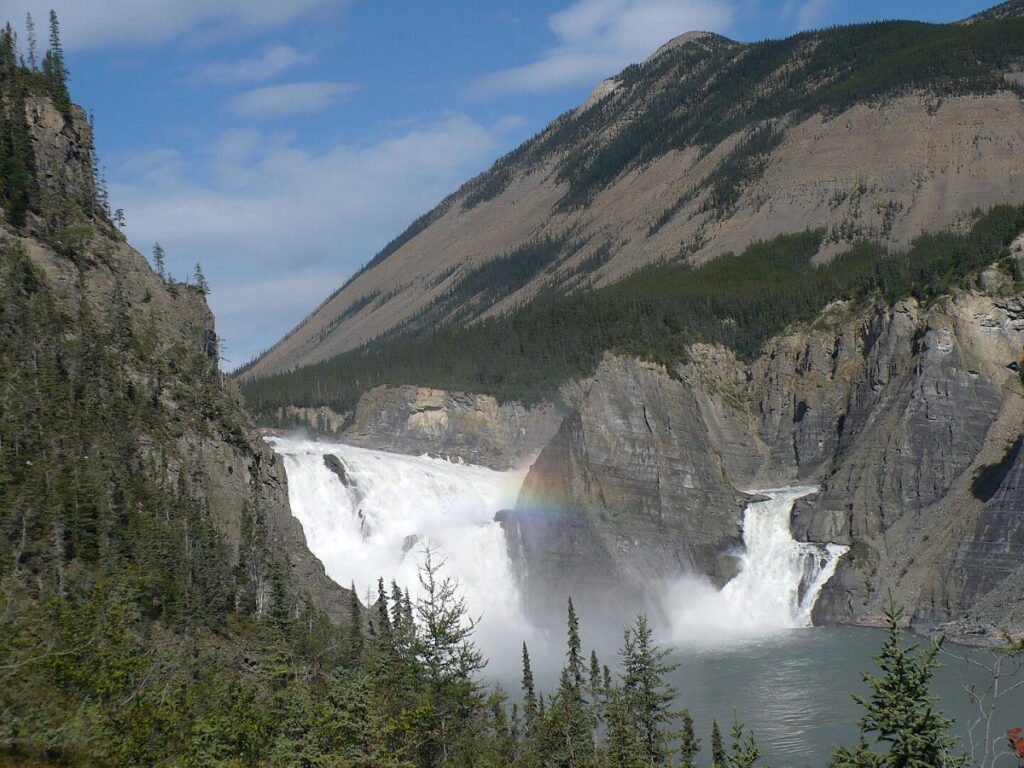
(781, 577)
(777, 587)
(378, 523)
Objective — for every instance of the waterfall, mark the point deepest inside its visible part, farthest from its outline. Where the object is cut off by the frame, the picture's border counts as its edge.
(372, 514)
(368, 514)
(779, 582)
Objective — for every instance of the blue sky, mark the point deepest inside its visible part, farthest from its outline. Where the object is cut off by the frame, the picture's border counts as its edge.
(281, 143)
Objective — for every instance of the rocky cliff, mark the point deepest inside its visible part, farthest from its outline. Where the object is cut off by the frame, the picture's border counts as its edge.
(908, 417)
(455, 425)
(197, 436)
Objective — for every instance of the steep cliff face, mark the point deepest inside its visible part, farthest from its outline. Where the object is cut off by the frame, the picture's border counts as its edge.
(609, 506)
(908, 418)
(196, 435)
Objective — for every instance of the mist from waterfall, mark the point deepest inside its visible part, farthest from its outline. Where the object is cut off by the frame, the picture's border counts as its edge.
(779, 581)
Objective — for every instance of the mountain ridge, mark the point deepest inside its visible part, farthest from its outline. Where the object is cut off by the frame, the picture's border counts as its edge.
(667, 165)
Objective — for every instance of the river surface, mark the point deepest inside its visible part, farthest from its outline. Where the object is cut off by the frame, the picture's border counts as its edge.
(794, 690)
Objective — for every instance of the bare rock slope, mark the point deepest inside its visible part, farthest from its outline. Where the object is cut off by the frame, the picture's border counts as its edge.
(705, 147)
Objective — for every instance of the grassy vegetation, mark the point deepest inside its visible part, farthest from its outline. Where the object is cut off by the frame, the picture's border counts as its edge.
(738, 300)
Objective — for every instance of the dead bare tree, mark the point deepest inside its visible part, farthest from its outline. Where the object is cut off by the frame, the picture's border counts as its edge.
(1001, 669)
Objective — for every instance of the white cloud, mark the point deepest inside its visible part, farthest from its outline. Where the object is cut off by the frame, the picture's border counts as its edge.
(294, 222)
(272, 62)
(807, 14)
(597, 38)
(125, 24)
(290, 99)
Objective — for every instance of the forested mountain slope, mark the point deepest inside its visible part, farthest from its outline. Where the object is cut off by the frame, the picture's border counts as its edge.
(149, 563)
(872, 132)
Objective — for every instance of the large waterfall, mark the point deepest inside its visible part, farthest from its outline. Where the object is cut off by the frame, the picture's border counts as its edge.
(368, 514)
(371, 515)
(779, 582)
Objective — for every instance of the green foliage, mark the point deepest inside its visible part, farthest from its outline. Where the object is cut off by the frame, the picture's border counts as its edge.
(719, 759)
(900, 714)
(738, 300)
(641, 715)
(18, 188)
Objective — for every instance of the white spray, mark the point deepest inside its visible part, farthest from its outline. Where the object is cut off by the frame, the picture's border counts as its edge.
(376, 523)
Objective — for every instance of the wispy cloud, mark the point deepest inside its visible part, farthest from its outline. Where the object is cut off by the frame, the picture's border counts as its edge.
(597, 38)
(125, 24)
(806, 14)
(290, 99)
(270, 63)
(277, 227)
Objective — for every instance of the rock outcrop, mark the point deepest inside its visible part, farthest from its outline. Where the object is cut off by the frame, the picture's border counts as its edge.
(468, 427)
(611, 505)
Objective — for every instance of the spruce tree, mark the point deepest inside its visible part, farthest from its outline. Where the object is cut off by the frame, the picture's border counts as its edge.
(719, 759)
(30, 31)
(569, 726)
(689, 744)
(529, 691)
(900, 715)
(745, 752)
(204, 286)
(354, 639)
(160, 260)
(640, 711)
(55, 69)
(450, 661)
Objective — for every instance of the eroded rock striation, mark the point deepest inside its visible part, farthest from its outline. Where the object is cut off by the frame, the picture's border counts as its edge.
(906, 417)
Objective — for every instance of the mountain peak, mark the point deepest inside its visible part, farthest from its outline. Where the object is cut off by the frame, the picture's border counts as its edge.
(676, 42)
(1011, 9)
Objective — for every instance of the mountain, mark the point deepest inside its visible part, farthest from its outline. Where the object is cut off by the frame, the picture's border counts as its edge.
(878, 131)
(736, 267)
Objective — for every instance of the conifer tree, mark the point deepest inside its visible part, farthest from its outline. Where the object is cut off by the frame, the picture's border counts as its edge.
(18, 188)
(900, 713)
(641, 713)
(160, 260)
(55, 69)
(689, 744)
(719, 759)
(354, 630)
(30, 31)
(529, 691)
(450, 660)
(204, 288)
(569, 726)
(745, 752)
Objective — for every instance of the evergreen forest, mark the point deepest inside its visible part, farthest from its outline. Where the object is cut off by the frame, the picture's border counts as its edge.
(736, 300)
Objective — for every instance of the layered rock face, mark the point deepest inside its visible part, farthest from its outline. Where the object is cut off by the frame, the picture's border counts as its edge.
(906, 418)
(461, 426)
(609, 508)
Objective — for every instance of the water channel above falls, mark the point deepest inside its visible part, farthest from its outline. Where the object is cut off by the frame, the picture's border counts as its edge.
(748, 645)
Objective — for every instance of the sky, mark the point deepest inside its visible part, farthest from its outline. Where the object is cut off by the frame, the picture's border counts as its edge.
(282, 143)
